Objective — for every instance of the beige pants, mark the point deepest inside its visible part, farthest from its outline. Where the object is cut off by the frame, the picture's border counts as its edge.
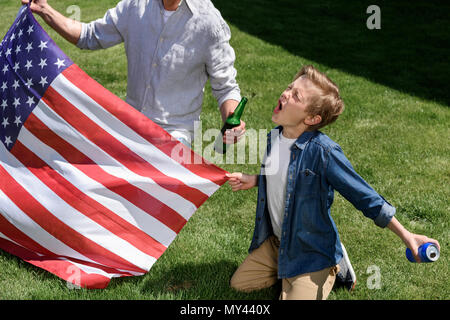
(259, 270)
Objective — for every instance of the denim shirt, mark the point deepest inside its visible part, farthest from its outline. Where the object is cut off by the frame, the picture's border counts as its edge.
(309, 237)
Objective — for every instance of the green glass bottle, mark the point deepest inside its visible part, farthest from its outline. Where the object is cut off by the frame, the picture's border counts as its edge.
(232, 121)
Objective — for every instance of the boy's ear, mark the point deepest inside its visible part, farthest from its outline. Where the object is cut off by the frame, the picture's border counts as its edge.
(313, 120)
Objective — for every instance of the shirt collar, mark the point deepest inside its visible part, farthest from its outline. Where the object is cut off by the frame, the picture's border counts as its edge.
(191, 5)
(301, 141)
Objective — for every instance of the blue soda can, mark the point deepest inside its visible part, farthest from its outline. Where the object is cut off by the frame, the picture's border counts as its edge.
(428, 252)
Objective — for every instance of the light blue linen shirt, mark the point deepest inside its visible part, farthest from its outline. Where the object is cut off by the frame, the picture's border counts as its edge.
(169, 63)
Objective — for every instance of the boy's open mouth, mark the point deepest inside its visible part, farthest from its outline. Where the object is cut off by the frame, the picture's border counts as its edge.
(278, 107)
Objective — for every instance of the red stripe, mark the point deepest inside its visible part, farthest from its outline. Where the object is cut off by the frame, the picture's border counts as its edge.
(62, 268)
(116, 149)
(37, 212)
(145, 127)
(10, 231)
(139, 198)
(86, 205)
(21, 238)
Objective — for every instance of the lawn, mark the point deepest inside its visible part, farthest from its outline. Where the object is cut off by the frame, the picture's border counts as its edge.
(395, 130)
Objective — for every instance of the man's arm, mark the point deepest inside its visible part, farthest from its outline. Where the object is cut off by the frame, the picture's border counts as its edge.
(69, 29)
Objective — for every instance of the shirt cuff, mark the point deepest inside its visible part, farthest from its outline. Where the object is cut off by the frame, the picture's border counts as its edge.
(80, 44)
(233, 95)
(384, 217)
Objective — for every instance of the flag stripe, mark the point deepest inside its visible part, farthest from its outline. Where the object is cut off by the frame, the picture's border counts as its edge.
(132, 139)
(62, 268)
(88, 167)
(12, 187)
(33, 230)
(116, 149)
(87, 206)
(146, 128)
(11, 233)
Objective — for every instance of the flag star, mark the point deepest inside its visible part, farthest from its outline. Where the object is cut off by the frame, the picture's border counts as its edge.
(5, 122)
(8, 52)
(18, 49)
(4, 86)
(43, 81)
(4, 104)
(29, 47)
(20, 33)
(29, 65)
(8, 141)
(30, 101)
(16, 102)
(17, 121)
(5, 69)
(30, 30)
(43, 45)
(29, 83)
(16, 66)
(16, 84)
(43, 63)
(13, 36)
(60, 63)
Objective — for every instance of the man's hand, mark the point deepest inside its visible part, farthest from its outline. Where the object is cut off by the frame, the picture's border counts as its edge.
(234, 135)
(241, 181)
(69, 29)
(37, 6)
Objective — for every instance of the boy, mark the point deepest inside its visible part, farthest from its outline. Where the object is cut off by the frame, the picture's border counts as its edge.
(295, 238)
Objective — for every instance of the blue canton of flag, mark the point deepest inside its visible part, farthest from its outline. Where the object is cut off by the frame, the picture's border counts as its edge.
(29, 61)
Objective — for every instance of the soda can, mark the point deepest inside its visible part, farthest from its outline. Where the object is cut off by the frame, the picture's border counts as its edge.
(428, 252)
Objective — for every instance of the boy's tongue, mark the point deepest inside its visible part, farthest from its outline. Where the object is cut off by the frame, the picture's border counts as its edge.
(278, 107)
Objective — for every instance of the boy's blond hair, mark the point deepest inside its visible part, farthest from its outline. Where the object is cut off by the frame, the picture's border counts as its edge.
(327, 103)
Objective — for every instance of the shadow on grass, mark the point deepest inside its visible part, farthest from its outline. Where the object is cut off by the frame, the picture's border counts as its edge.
(409, 53)
(204, 281)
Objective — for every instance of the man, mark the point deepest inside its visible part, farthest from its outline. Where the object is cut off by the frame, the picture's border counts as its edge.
(173, 47)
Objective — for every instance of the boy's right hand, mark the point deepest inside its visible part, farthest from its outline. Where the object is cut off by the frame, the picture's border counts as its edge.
(241, 181)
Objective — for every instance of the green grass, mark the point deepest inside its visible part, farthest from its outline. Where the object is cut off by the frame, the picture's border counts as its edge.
(395, 131)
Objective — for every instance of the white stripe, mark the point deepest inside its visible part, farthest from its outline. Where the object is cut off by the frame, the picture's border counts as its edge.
(83, 267)
(93, 270)
(25, 224)
(65, 131)
(71, 217)
(129, 137)
(114, 202)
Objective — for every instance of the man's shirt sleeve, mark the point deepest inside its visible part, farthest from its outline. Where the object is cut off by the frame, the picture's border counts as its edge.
(220, 66)
(107, 31)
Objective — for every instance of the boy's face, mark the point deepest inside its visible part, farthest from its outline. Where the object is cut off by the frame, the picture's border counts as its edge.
(291, 107)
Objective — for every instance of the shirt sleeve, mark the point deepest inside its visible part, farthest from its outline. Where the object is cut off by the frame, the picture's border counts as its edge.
(344, 179)
(107, 31)
(220, 66)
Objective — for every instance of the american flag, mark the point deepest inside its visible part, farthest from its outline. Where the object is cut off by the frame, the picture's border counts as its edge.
(90, 189)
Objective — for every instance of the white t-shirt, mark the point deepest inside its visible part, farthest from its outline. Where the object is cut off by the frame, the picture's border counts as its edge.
(276, 166)
(167, 14)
